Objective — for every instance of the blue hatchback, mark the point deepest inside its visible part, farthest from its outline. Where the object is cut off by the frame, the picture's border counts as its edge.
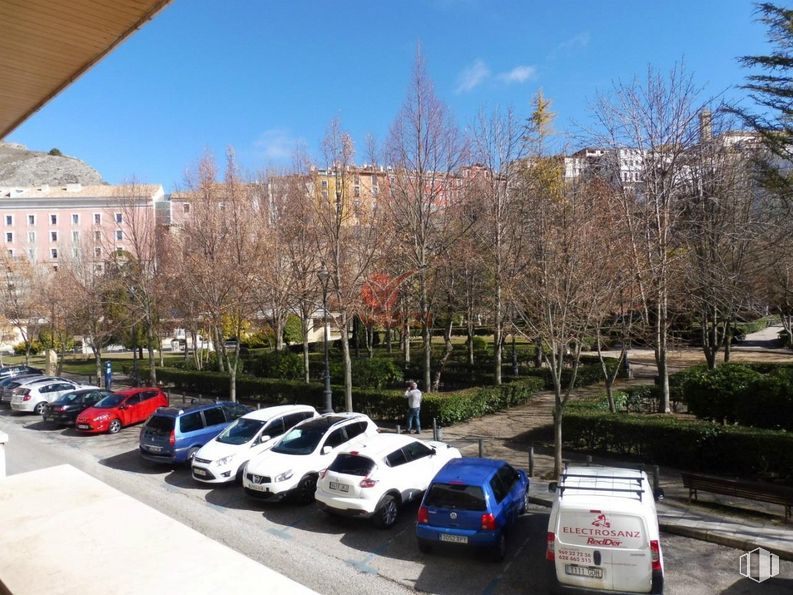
(472, 502)
(174, 435)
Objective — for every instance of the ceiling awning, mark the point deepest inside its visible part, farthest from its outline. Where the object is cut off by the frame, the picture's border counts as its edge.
(46, 44)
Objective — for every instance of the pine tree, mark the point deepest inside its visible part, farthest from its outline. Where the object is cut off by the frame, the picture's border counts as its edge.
(771, 89)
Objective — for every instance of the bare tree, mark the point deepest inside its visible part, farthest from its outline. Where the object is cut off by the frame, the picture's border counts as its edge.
(425, 149)
(20, 298)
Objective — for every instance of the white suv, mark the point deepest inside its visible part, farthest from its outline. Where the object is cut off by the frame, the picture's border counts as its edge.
(34, 395)
(603, 532)
(292, 465)
(380, 475)
(223, 458)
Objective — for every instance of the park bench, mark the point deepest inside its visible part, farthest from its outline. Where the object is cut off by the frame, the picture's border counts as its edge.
(752, 490)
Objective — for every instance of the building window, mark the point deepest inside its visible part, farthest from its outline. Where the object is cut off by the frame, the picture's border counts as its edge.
(54, 253)
(11, 253)
(9, 237)
(186, 207)
(119, 251)
(119, 235)
(32, 254)
(31, 220)
(324, 184)
(75, 236)
(98, 252)
(32, 237)
(53, 220)
(53, 236)
(98, 267)
(119, 218)
(75, 219)
(9, 219)
(98, 236)
(97, 218)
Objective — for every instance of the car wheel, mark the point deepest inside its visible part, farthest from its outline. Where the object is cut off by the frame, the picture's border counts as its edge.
(386, 514)
(241, 472)
(525, 505)
(39, 410)
(424, 546)
(500, 549)
(114, 427)
(191, 454)
(304, 492)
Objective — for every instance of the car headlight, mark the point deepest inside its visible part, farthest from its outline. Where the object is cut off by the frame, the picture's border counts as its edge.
(223, 461)
(102, 417)
(283, 476)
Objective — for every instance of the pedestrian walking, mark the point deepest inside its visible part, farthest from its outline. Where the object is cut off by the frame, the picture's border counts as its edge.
(413, 395)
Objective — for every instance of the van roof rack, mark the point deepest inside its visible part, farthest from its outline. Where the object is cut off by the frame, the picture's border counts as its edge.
(638, 490)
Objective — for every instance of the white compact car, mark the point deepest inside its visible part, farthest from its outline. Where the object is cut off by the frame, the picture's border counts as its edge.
(223, 458)
(603, 532)
(34, 395)
(292, 465)
(377, 477)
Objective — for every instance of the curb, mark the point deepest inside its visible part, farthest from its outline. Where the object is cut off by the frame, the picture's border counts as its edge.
(738, 543)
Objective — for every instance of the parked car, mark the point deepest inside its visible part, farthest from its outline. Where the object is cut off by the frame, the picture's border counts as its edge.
(18, 370)
(174, 435)
(603, 532)
(291, 467)
(11, 384)
(472, 502)
(377, 477)
(223, 458)
(8, 381)
(34, 396)
(120, 409)
(64, 410)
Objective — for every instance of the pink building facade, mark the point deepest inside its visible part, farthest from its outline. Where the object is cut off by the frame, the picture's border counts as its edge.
(51, 224)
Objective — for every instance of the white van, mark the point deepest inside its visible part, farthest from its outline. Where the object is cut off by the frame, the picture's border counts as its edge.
(603, 532)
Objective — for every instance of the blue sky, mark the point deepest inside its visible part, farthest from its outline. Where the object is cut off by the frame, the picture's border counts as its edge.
(262, 76)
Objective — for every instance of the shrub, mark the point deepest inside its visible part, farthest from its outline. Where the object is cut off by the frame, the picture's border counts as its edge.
(686, 444)
(293, 330)
(283, 365)
(480, 343)
(379, 404)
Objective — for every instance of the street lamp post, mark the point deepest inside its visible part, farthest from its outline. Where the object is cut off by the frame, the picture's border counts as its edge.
(327, 393)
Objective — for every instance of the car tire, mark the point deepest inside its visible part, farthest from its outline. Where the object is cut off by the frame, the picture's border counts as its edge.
(39, 409)
(385, 515)
(191, 455)
(114, 427)
(304, 492)
(525, 505)
(241, 473)
(424, 546)
(499, 551)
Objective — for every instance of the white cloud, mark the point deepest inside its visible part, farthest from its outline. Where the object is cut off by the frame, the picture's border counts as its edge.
(275, 144)
(519, 74)
(576, 42)
(473, 76)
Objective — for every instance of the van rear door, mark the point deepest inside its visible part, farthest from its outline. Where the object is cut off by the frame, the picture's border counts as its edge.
(602, 550)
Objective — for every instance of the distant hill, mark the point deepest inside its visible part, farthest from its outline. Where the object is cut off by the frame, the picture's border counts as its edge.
(21, 167)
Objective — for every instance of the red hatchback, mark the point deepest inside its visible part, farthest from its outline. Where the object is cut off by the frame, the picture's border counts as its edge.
(120, 409)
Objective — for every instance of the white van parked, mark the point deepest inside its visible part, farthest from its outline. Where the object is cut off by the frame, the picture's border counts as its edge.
(603, 532)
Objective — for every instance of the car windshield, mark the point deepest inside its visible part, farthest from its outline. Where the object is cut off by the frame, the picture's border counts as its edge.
(452, 495)
(109, 402)
(67, 399)
(241, 431)
(300, 441)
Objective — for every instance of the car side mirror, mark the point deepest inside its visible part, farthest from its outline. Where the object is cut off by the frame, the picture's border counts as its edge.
(658, 494)
(326, 449)
(552, 486)
(263, 438)
(122, 407)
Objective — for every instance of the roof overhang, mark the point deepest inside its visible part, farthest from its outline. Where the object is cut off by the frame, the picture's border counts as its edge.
(46, 44)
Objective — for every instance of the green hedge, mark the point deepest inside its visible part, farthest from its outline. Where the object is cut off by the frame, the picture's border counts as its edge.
(686, 444)
(380, 404)
(588, 373)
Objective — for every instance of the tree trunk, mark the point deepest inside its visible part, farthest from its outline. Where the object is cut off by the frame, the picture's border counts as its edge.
(345, 348)
(388, 339)
(470, 331)
(406, 339)
(557, 437)
(426, 330)
(306, 359)
(497, 346)
(98, 362)
(447, 339)
(515, 369)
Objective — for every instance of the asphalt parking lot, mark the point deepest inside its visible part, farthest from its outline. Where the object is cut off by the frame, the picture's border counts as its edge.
(333, 555)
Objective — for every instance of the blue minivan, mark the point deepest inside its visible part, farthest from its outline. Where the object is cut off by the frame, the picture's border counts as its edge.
(472, 502)
(174, 435)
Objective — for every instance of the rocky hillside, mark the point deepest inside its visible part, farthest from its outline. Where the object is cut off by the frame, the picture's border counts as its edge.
(21, 167)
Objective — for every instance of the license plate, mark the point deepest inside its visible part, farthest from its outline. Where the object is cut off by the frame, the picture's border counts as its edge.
(152, 448)
(585, 571)
(199, 471)
(341, 487)
(83, 427)
(454, 538)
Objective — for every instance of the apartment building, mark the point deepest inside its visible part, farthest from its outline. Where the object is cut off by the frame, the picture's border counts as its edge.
(50, 224)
